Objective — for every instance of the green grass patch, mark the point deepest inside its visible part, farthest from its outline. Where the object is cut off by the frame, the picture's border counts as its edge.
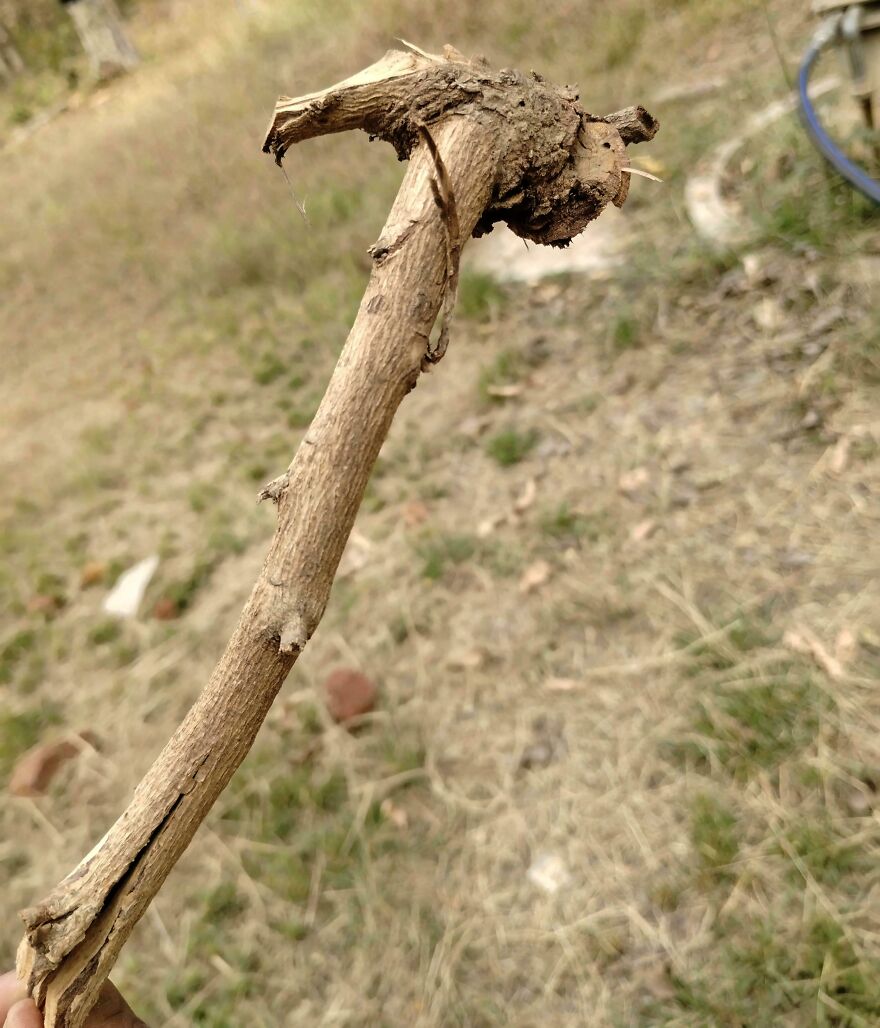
(714, 833)
(774, 972)
(202, 496)
(14, 651)
(625, 332)
(858, 357)
(797, 201)
(744, 636)
(505, 370)
(439, 551)
(753, 725)
(479, 296)
(223, 903)
(19, 732)
(183, 591)
(223, 1000)
(301, 413)
(510, 446)
(825, 852)
(567, 525)
(307, 814)
(401, 751)
(748, 714)
(106, 631)
(268, 369)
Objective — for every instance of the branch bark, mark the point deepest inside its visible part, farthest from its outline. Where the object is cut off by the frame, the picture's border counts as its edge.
(483, 145)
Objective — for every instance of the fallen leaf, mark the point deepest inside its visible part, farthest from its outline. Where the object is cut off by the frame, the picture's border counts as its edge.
(845, 646)
(527, 497)
(561, 684)
(415, 513)
(396, 815)
(768, 314)
(802, 641)
(488, 525)
(534, 576)
(753, 266)
(92, 573)
(467, 660)
(47, 604)
(840, 455)
(505, 392)
(631, 482)
(35, 770)
(643, 530)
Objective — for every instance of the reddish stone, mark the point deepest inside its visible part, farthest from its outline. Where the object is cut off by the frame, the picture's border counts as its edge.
(92, 573)
(35, 770)
(46, 604)
(166, 609)
(348, 694)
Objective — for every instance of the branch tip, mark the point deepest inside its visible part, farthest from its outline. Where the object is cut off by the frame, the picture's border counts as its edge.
(294, 636)
(634, 124)
(275, 489)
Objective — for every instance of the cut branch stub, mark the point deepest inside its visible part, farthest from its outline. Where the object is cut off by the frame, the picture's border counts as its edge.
(483, 146)
(557, 166)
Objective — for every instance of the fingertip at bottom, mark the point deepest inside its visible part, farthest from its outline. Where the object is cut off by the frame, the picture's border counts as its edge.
(24, 1015)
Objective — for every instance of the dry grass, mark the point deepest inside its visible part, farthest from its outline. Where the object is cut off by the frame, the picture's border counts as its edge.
(169, 323)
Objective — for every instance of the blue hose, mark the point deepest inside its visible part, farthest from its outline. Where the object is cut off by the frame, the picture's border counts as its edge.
(853, 174)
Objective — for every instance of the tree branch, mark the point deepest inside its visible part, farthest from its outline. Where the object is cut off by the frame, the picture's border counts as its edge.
(483, 145)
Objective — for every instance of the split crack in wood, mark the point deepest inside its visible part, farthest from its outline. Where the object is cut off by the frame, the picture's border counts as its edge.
(444, 197)
(484, 146)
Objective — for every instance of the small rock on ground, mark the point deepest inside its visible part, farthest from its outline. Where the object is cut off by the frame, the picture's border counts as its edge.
(349, 694)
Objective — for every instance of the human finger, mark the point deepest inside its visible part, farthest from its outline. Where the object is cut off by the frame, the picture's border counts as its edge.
(24, 1014)
(11, 991)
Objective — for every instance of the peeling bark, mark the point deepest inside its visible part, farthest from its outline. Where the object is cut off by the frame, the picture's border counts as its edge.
(483, 146)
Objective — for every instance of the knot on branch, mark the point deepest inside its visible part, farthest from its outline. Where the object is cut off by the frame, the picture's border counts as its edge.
(557, 166)
(275, 489)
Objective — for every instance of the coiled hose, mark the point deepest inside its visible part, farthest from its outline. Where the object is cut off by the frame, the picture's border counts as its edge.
(856, 176)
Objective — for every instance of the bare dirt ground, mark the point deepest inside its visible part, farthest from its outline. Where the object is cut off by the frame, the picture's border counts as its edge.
(616, 573)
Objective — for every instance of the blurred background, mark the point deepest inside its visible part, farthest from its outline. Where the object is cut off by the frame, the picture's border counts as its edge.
(614, 590)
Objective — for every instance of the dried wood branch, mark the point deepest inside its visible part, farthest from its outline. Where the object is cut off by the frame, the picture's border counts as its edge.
(484, 146)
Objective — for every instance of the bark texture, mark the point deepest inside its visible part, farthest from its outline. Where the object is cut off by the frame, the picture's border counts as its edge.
(558, 165)
(483, 145)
